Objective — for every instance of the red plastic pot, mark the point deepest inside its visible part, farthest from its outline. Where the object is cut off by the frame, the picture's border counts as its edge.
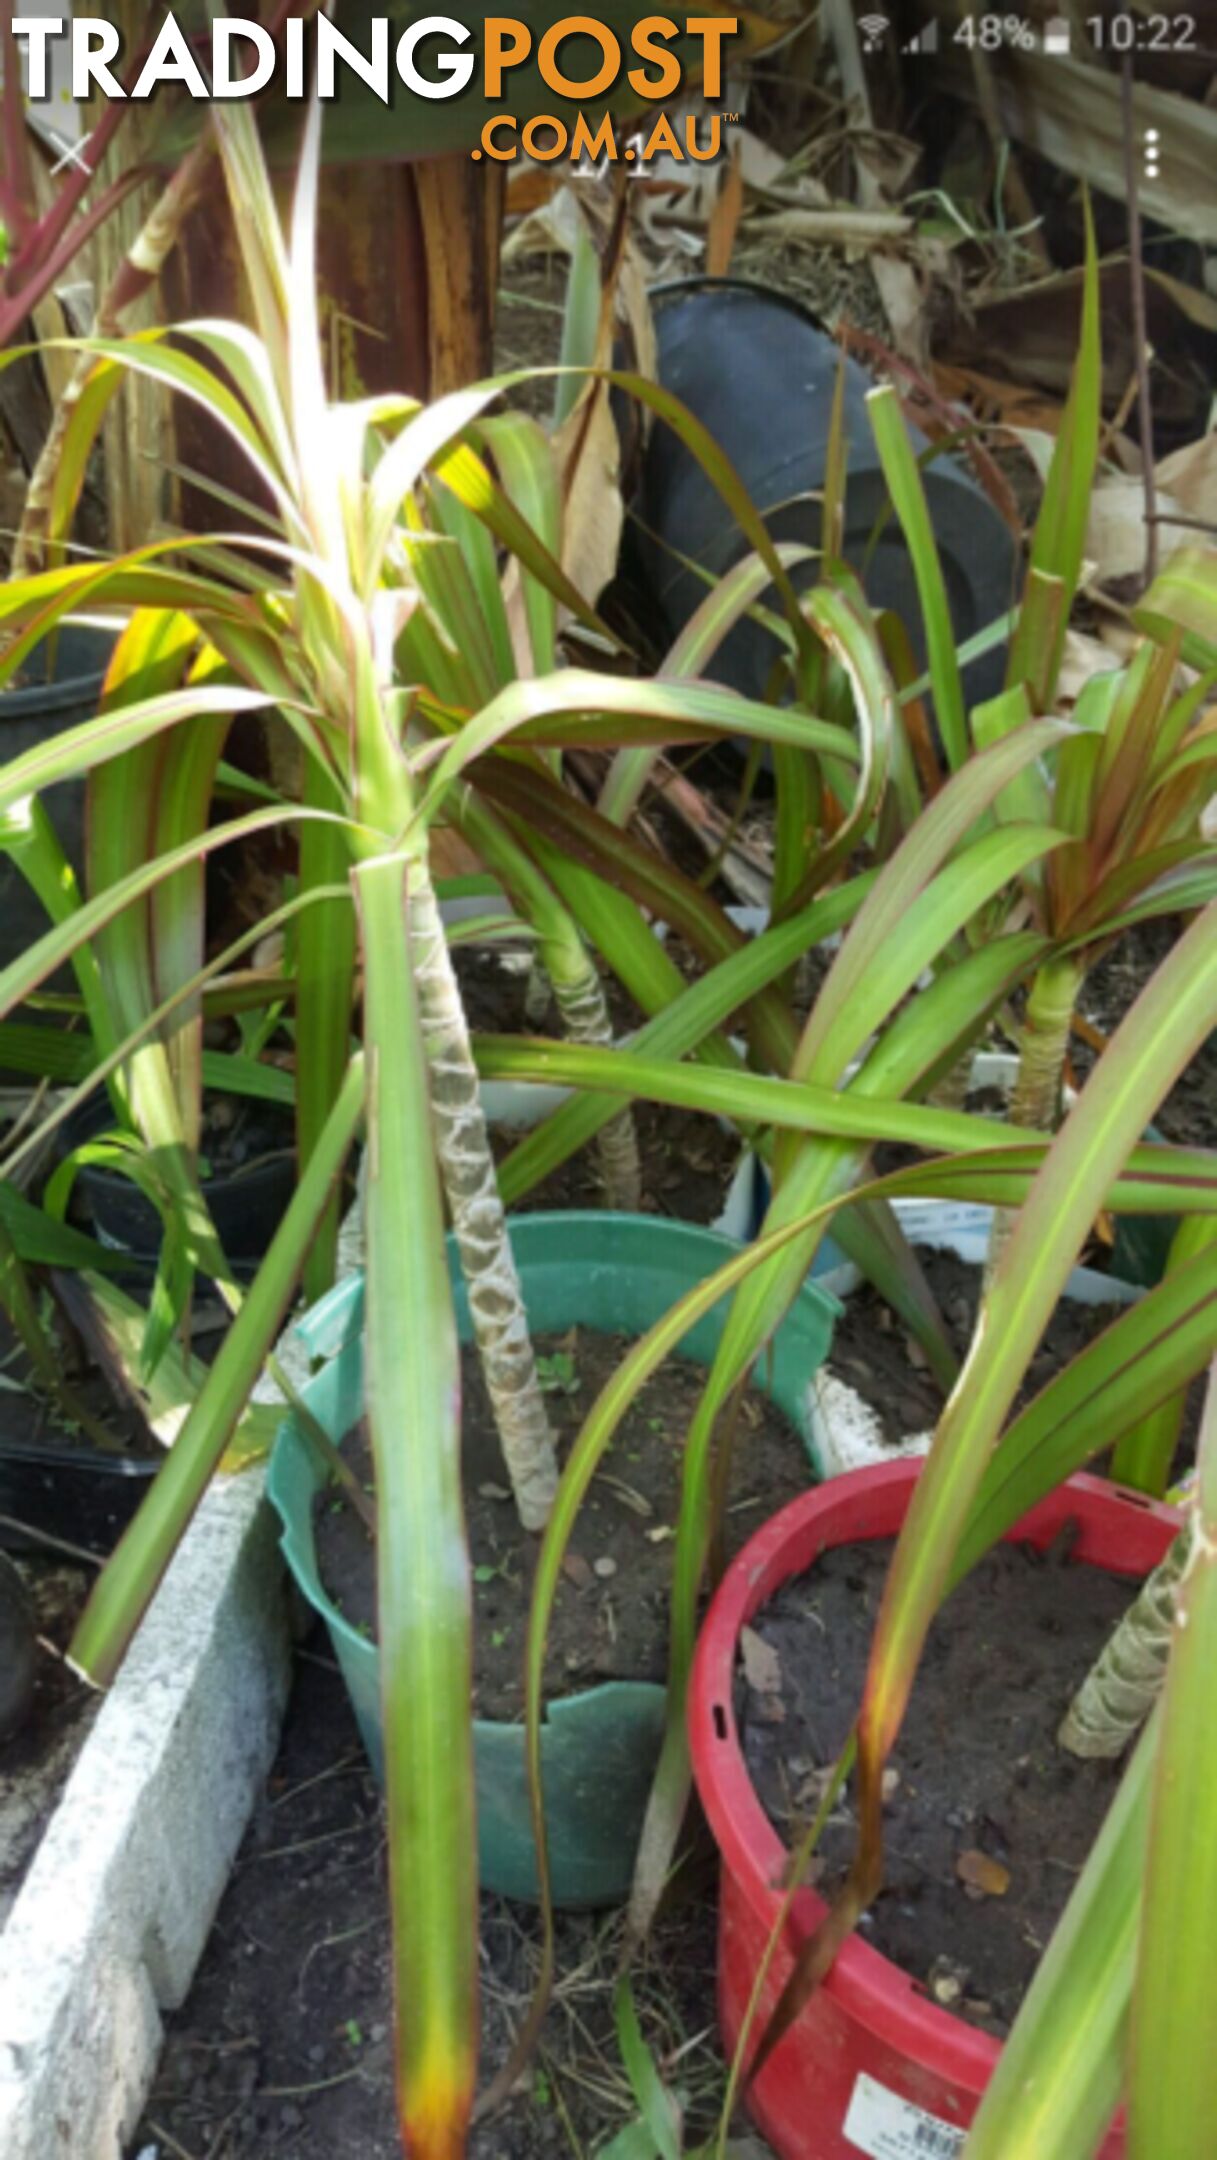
(872, 2065)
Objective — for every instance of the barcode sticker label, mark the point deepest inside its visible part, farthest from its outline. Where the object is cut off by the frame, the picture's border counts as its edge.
(884, 2125)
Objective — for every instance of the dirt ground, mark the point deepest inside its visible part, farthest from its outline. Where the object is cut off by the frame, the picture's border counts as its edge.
(282, 2049)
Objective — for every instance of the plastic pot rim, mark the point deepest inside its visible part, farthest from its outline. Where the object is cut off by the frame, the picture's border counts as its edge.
(852, 1509)
(95, 1117)
(295, 1547)
(58, 692)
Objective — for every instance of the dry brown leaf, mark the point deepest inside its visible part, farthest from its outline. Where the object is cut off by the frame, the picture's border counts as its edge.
(634, 310)
(588, 448)
(839, 227)
(1189, 475)
(1115, 529)
(1031, 335)
(588, 444)
(551, 226)
(762, 166)
(1199, 307)
(1069, 110)
(724, 220)
(763, 1672)
(981, 1875)
(1009, 404)
(1084, 656)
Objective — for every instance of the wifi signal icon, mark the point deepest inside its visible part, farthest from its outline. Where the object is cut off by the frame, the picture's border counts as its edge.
(874, 29)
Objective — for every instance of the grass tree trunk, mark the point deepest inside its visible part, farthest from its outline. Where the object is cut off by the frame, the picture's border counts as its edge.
(496, 1302)
(1124, 1682)
(1036, 1096)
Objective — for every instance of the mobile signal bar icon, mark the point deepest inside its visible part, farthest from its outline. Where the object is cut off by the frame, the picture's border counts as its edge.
(874, 29)
(926, 40)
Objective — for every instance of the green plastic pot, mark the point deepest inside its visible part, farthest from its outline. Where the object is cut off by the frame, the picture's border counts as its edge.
(616, 1273)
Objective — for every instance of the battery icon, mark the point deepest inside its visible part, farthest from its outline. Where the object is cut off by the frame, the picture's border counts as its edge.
(1057, 34)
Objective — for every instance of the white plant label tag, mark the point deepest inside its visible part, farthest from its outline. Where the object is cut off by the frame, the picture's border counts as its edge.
(964, 1225)
(884, 2125)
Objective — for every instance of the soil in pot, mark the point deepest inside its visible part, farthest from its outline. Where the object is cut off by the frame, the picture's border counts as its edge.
(873, 1351)
(1188, 1116)
(988, 1822)
(687, 1165)
(610, 1617)
(282, 2051)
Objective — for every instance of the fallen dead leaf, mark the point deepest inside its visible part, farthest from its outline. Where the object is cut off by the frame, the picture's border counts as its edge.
(1190, 476)
(1115, 529)
(763, 1672)
(589, 449)
(981, 1875)
(763, 167)
(815, 1870)
(809, 1795)
(724, 221)
(1084, 656)
(552, 224)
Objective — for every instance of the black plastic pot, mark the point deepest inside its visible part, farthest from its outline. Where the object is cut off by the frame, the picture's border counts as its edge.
(247, 1203)
(760, 375)
(79, 1494)
(61, 684)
